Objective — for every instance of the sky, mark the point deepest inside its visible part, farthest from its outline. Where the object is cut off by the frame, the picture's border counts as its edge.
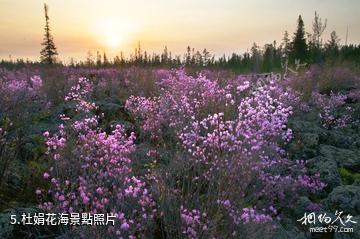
(111, 26)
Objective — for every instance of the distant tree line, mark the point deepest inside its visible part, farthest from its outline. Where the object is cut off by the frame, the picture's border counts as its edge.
(302, 47)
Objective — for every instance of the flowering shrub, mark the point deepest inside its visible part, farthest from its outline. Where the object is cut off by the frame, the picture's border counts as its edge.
(247, 215)
(232, 138)
(21, 107)
(184, 98)
(329, 107)
(219, 141)
(91, 171)
(240, 149)
(36, 82)
(79, 94)
(147, 111)
(19, 82)
(194, 223)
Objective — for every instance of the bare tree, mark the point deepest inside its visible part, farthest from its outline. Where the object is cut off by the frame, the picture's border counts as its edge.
(318, 29)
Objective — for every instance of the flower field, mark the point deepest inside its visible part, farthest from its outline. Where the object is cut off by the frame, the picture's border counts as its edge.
(172, 153)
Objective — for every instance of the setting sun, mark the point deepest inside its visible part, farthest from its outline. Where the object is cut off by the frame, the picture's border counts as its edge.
(113, 32)
(113, 41)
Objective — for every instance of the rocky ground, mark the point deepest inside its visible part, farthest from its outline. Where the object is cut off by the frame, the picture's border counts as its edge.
(335, 154)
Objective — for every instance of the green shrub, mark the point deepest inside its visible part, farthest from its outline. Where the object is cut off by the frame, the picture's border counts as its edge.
(347, 176)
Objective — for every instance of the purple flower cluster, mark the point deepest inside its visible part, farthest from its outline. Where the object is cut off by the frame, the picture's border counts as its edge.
(80, 94)
(194, 223)
(247, 215)
(91, 171)
(20, 81)
(329, 110)
(184, 98)
(233, 132)
(147, 111)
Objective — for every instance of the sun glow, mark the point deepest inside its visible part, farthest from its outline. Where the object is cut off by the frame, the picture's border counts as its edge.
(113, 33)
(113, 41)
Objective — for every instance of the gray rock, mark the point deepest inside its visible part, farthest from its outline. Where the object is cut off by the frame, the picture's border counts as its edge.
(345, 198)
(287, 229)
(310, 140)
(6, 229)
(337, 138)
(328, 169)
(351, 235)
(303, 205)
(305, 127)
(356, 182)
(293, 234)
(297, 150)
(344, 157)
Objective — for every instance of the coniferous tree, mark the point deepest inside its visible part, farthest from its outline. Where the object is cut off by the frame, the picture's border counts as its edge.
(89, 59)
(139, 53)
(255, 57)
(98, 59)
(198, 59)
(333, 43)
(188, 55)
(268, 57)
(299, 46)
(105, 60)
(164, 56)
(146, 60)
(116, 61)
(332, 46)
(206, 56)
(170, 58)
(286, 46)
(122, 58)
(49, 52)
(193, 56)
